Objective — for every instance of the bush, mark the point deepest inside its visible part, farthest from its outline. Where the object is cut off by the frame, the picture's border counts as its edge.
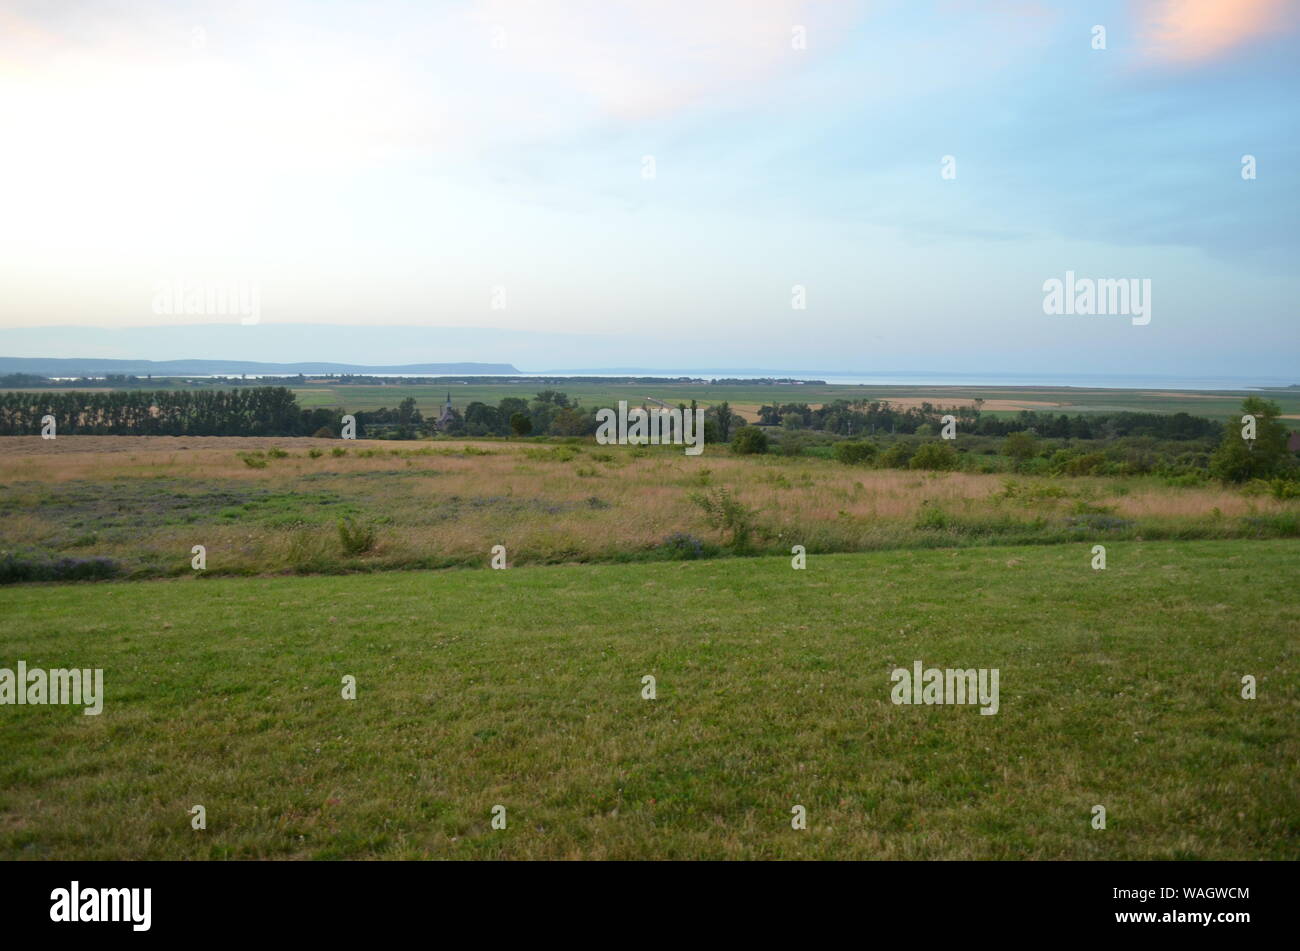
(315, 453)
(15, 569)
(855, 453)
(792, 444)
(749, 440)
(724, 511)
(1284, 489)
(934, 456)
(1087, 464)
(1020, 446)
(931, 517)
(324, 433)
(896, 456)
(356, 538)
(681, 546)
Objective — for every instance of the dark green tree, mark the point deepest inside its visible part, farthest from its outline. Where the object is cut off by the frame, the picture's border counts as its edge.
(1239, 460)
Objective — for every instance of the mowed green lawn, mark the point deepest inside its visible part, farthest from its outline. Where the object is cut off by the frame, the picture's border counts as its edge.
(523, 688)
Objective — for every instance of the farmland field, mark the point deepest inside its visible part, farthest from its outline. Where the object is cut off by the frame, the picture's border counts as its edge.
(746, 398)
(523, 688)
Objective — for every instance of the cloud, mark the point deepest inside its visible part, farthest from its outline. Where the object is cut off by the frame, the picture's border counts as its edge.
(643, 60)
(1185, 32)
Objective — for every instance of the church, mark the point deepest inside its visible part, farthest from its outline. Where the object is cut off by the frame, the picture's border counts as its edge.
(447, 416)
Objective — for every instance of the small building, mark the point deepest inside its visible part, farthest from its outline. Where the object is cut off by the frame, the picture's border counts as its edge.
(447, 416)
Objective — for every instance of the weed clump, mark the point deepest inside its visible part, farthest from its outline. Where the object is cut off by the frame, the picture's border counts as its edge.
(724, 511)
(15, 569)
(357, 538)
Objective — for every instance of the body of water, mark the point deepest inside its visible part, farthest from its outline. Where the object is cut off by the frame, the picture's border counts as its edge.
(1086, 381)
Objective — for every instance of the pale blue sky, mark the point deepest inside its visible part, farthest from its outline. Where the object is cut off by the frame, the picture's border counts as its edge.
(390, 163)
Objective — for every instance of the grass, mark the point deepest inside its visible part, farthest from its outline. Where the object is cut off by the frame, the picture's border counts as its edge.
(746, 398)
(143, 503)
(522, 688)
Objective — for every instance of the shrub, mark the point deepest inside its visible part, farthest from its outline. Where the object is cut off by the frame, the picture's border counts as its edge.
(338, 451)
(855, 453)
(896, 456)
(727, 513)
(315, 453)
(934, 456)
(748, 441)
(324, 433)
(931, 517)
(277, 453)
(356, 538)
(1020, 446)
(1087, 464)
(792, 444)
(253, 461)
(1284, 489)
(681, 546)
(16, 568)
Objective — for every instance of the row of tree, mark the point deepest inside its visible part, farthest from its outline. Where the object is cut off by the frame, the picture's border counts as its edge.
(864, 418)
(552, 413)
(274, 411)
(257, 411)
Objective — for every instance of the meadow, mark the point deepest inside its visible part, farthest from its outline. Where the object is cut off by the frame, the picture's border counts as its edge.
(745, 398)
(523, 688)
(138, 505)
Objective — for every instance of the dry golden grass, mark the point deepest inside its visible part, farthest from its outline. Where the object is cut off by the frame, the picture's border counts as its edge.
(448, 502)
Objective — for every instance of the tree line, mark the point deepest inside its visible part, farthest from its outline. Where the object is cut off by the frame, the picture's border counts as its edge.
(256, 411)
(865, 418)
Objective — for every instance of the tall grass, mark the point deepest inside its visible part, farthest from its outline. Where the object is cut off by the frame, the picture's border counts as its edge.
(446, 504)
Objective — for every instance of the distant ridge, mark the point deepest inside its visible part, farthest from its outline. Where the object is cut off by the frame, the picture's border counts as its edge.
(95, 366)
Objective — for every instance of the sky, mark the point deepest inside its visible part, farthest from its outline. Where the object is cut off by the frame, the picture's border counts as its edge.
(596, 183)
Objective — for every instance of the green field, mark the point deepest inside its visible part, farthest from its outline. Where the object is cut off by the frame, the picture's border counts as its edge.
(748, 397)
(1068, 400)
(523, 688)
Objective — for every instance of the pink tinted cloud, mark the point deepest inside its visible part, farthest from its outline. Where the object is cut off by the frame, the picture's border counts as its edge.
(642, 59)
(1194, 31)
